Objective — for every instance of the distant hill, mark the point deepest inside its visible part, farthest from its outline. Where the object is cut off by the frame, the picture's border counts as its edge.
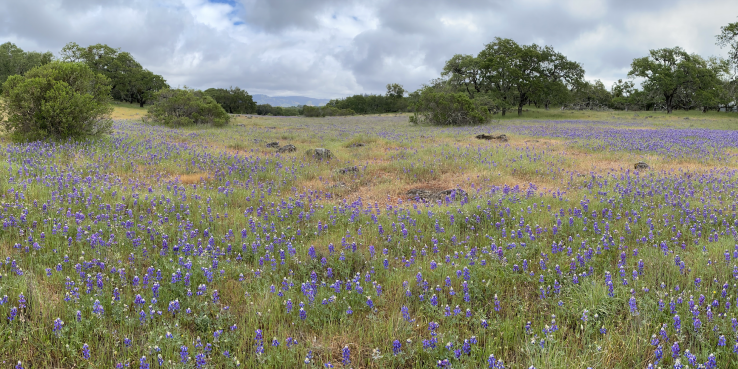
(289, 100)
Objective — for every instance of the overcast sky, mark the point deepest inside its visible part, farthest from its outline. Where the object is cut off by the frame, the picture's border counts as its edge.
(335, 48)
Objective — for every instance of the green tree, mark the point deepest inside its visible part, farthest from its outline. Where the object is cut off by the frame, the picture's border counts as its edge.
(183, 107)
(142, 86)
(591, 96)
(498, 62)
(624, 95)
(57, 100)
(395, 91)
(15, 61)
(671, 71)
(465, 71)
(728, 37)
(233, 100)
(438, 107)
(512, 75)
(129, 81)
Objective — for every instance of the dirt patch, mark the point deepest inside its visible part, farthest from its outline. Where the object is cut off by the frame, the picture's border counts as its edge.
(194, 178)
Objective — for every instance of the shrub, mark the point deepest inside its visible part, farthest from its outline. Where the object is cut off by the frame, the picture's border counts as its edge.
(183, 107)
(56, 100)
(325, 111)
(445, 108)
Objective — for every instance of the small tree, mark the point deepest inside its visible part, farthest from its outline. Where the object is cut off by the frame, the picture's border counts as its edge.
(142, 86)
(13, 60)
(57, 100)
(438, 107)
(233, 100)
(183, 107)
(728, 37)
(672, 71)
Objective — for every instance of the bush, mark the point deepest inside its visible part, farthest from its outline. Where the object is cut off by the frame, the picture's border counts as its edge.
(445, 108)
(325, 111)
(184, 107)
(57, 100)
(286, 111)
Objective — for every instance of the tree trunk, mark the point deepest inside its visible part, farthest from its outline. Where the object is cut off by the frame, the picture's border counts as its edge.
(520, 109)
(547, 103)
(141, 103)
(503, 112)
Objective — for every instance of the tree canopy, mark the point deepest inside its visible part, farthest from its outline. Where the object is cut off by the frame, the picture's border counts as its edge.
(511, 75)
(129, 80)
(183, 107)
(15, 61)
(233, 100)
(671, 72)
(728, 37)
(57, 100)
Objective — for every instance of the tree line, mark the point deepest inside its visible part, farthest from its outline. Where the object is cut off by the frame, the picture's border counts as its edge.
(504, 76)
(507, 76)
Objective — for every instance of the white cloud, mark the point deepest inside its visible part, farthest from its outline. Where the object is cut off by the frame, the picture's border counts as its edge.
(332, 48)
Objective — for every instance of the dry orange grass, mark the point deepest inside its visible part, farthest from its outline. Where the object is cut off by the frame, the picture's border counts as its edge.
(194, 178)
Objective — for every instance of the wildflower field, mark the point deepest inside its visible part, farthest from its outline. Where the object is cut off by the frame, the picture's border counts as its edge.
(204, 248)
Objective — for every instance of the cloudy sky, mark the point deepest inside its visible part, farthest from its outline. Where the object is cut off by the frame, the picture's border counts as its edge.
(334, 48)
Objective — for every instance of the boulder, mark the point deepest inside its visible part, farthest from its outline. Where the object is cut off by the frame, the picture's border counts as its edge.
(272, 145)
(641, 165)
(286, 148)
(348, 170)
(427, 195)
(320, 154)
(501, 138)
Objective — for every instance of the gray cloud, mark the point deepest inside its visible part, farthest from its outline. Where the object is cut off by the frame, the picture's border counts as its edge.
(332, 48)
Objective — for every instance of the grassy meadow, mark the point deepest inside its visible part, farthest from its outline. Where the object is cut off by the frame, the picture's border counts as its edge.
(204, 248)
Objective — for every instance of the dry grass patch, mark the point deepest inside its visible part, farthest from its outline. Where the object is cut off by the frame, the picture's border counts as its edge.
(194, 178)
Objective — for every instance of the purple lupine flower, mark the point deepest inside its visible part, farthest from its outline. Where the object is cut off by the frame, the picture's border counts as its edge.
(143, 363)
(396, 347)
(58, 324)
(346, 354)
(86, 351)
(675, 352)
(183, 354)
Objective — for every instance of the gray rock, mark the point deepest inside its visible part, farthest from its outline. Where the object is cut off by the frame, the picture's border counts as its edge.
(320, 153)
(273, 144)
(641, 165)
(501, 138)
(348, 170)
(427, 195)
(358, 144)
(286, 148)
(338, 185)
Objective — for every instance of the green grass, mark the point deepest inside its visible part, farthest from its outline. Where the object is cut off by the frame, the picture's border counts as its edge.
(167, 182)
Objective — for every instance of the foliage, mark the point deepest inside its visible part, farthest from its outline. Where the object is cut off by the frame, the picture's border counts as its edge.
(141, 87)
(438, 107)
(15, 61)
(728, 37)
(512, 75)
(183, 107)
(392, 101)
(57, 100)
(673, 73)
(325, 111)
(233, 100)
(129, 80)
(267, 109)
(590, 96)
